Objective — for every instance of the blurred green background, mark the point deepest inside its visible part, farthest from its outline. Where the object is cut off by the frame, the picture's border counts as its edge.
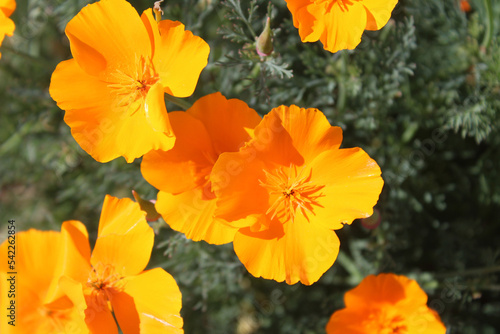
(421, 96)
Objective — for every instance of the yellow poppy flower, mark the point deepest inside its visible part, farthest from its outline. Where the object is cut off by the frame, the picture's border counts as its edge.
(110, 280)
(33, 254)
(338, 24)
(385, 303)
(213, 125)
(113, 89)
(288, 189)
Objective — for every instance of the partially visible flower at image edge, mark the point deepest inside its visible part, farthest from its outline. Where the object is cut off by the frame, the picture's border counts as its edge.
(33, 253)
(110, 282)
(386, 303)
(288, 189)
(113, 89)
(338, 24)
(212, 126)
(7, 26)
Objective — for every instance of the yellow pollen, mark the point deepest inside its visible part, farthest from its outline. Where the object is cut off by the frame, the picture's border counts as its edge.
(132, 86)
(291, 191)
(103, 281)
(386, 321)
(343, 4)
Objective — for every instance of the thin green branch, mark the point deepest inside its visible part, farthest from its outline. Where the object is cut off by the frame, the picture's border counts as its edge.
(470, 272)
(488, 35)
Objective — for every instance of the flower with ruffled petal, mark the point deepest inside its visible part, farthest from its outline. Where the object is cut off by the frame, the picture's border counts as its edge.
(213, 125)
(32, 256)
(7, 26)
(338, 24)
(110, 280)
(287, 191)
(113, 89)
(386, 304)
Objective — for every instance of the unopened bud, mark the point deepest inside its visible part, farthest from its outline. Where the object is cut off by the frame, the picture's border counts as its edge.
(147, 206)
(265, 40)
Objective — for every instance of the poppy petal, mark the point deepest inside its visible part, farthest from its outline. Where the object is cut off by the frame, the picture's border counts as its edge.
(180, 58)
(73, 260)
(149, 303)
(125, 241)
(120, 216)
(106, 132)
(86, 92)
(152, 28)
(347, 321)
(305, 15)
(190, 159)
(309, 129)
(272, 143)
(156, 112)
(336, 37)
(33, 248)
(192, 215)
(7, 6)
(235, 181)
(98, 318)
(376, 289)
(227, 122)
(352, 185)
(7, 26)
(107, 33)
(127, 253)
(294, 252)
(379, 12)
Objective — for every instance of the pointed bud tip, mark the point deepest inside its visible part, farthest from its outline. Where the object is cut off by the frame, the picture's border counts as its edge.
(264, 45)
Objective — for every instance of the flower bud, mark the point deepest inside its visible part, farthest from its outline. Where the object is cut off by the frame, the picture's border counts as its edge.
(265, 40)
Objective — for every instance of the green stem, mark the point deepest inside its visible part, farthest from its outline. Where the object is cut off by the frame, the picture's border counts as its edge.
(488, 35)
(177, 101)
(237, 6)
(341, 83)
(349, 265)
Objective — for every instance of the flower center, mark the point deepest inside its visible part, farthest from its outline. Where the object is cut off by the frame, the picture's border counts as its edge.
(386, 322)
(103, 281)
(343, 4)
(131, 87)
(291, 191)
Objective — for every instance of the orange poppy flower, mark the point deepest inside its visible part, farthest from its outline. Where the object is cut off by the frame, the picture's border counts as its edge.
(33, 262)
(7, 26)
(386, 303)
(288, 189)
(111, 278)
(113, 89)
(213, 125)
(338, 24)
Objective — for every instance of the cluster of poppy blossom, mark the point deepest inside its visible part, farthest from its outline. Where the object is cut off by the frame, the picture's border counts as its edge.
(277, 187)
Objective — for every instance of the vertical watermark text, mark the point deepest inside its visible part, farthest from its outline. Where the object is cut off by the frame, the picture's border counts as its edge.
(11, 273)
